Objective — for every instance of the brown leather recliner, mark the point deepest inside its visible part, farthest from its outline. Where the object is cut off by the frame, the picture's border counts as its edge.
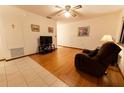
(97, 64)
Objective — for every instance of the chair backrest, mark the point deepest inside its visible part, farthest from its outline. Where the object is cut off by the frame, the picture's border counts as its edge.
(107, 53)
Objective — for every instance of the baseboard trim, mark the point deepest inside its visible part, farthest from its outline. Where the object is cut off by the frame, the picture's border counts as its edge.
(70, 47)
(20, 57)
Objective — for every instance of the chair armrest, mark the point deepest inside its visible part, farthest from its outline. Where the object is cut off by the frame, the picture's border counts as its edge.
(91, 53)
(82, 57)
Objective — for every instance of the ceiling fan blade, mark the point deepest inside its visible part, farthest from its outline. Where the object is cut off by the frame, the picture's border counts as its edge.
(74, 15)
(77, 7)
(59, 7)
(77, 13)
(54, 14)
(61, 13)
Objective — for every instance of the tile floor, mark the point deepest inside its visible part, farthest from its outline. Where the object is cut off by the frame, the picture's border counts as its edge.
(25, 72)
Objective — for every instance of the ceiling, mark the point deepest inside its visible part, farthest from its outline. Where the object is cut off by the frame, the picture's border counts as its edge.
(87, 11)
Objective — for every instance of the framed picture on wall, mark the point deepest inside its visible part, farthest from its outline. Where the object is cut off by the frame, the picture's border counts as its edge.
(35, 28)
(50, 29)
(83, 31)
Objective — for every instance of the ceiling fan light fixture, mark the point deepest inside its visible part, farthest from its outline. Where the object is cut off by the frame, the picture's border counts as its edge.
(67, 14)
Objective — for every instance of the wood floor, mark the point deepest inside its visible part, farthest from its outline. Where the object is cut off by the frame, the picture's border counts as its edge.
(61, 64)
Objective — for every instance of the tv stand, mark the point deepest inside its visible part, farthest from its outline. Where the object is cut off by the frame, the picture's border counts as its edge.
(43, 49)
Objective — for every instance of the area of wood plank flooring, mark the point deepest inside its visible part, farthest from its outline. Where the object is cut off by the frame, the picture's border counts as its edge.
(61, 63)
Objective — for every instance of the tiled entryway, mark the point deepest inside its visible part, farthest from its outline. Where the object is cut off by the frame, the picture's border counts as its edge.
(25, 72)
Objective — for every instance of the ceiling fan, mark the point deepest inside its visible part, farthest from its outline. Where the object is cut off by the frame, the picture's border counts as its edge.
(67, 10)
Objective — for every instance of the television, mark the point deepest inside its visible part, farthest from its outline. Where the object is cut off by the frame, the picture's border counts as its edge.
(45, 40)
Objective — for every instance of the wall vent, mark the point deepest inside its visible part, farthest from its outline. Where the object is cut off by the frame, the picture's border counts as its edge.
(17, 52)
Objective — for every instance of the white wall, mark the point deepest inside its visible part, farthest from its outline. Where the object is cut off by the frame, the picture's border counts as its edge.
(31, 38)
(99, 26)
(21, 35)
(1, 48)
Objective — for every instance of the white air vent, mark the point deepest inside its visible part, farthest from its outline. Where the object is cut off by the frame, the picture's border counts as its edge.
(17, 52)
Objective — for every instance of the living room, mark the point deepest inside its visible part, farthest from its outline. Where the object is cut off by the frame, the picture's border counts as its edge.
(18, 40)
